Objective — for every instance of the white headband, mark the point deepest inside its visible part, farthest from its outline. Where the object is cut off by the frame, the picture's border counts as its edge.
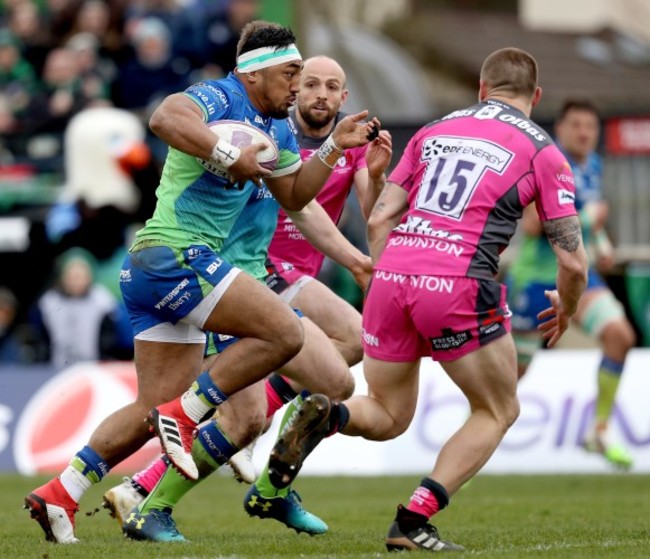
(266, 56)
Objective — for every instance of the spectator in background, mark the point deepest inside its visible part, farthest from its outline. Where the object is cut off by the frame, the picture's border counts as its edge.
(49, 111)
(62, 96)
(35, 39)
(18, 81)
(95, 17)
(76, 319)
(153, 73)
(96, 73)
(59, 16)
(185, 24)
(10, 349)
(222, 33)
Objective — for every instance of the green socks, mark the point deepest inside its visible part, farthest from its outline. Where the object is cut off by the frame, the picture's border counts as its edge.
(263, 483)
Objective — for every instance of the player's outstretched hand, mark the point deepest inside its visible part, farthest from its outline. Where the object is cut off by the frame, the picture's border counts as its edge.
(379, 154)
(556, 321)
(353, 131)
(247, 168)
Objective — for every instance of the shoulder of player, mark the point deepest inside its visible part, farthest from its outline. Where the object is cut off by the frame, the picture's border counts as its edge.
(497, 112)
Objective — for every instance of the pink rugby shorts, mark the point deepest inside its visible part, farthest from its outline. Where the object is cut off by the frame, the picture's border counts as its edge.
(407, 317)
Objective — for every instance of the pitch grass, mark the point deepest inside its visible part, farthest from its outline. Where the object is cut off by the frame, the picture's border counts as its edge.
(496, 516)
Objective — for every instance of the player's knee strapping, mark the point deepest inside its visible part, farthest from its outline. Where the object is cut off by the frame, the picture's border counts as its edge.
(603, 310)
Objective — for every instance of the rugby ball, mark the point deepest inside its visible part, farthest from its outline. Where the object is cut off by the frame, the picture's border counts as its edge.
(241, 134)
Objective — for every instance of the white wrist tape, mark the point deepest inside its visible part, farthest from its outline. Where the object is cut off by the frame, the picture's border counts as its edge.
(329, 153)
(224, 153)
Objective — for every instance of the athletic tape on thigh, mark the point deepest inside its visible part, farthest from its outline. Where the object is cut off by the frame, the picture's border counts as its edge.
(288, 294)
(603, 309)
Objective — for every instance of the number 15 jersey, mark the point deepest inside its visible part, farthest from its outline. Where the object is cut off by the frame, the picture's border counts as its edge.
(468, 177)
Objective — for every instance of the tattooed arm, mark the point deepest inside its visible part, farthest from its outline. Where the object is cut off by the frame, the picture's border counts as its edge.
(386, 214)
(565, 237)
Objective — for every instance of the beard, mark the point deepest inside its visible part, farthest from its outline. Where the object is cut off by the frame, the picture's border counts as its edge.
(315, 121)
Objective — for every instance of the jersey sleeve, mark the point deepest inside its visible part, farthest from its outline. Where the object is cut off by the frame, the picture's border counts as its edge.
(554, 187)
(403, 173)
(289, 161)
(213, 101)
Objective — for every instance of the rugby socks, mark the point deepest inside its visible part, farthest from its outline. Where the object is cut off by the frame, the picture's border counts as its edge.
(428, 499)
(263, 483)
(84, 470)
(202, 398)
(338, 419)
(209, 450)
(214, 446)
(278, 393)
(148, 478)
(609, 377)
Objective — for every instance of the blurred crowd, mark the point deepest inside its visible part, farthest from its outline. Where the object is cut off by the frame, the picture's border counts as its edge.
(60, 56)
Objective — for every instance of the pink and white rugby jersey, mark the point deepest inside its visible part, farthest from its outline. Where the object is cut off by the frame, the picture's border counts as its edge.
(288, 243)
(468, 178)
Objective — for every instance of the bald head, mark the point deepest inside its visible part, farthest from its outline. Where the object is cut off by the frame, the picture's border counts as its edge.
(322, 92)
(323, 67)
(510, 73)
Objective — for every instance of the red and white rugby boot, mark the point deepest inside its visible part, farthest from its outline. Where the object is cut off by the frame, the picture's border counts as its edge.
(176, 433)
(53, 508)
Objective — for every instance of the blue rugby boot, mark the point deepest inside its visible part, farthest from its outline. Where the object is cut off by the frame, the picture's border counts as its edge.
(153, 526)
(287, 510)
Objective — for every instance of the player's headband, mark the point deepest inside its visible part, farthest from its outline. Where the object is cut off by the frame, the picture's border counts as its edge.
(264, 57)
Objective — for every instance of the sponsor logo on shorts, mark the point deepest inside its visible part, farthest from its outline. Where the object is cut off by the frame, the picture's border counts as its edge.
(427, 243)
(224, 337)
(369, 339)
(450, 339)
(428, 283)
(416, 224)
(491, 321)
(212, 268)
(181, 300)
(489, 329)
(565, 197)
(172, 294)
(125, 276)
(193, 253)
